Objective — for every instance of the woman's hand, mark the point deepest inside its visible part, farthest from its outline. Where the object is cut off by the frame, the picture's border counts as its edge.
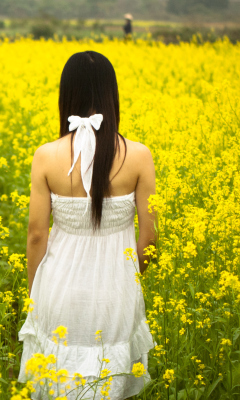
(39, 214)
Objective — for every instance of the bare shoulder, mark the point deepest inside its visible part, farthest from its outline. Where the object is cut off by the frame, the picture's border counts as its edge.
(46, 150)
(139, 152)
(42, 150)
(43, 156)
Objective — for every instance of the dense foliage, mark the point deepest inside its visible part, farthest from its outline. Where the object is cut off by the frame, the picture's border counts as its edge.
(188, 6)
(78, 8)
(105, 8)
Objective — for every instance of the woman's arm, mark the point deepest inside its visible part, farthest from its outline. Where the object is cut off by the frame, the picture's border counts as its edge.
(145, 187)
(39, 215)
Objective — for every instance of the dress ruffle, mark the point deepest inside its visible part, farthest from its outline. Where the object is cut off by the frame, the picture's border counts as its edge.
(86, 360)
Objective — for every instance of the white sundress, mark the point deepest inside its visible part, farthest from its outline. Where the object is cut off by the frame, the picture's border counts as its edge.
(86, 284)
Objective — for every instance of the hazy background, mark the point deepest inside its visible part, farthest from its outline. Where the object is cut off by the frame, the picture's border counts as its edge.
(166, 20)
(221, 10)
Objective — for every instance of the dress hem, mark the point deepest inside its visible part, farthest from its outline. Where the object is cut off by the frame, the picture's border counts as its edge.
(85, 360)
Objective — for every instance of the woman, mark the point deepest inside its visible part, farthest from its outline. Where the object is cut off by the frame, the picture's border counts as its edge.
(79, 277)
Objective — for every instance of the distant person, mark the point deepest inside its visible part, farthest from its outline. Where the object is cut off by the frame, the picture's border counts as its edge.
(128, 24)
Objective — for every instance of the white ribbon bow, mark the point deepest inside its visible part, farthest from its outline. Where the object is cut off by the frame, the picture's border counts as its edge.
(85, 143)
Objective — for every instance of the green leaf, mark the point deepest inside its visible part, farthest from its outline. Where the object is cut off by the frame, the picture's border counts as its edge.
(197, 393)
(146, 386)
(213, 386)
(202, 342)
(181, 395)
(192, 291)
(238, 385)
(236, 376)
(236, 335)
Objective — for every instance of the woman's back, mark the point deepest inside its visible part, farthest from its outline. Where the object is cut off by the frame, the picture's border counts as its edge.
(56, 162)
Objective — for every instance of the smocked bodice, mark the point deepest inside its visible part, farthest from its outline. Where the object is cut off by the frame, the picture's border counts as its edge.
(73, 214)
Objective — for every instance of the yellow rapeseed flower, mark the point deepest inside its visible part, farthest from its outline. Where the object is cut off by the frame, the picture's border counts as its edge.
(61, 331)
(138, 370)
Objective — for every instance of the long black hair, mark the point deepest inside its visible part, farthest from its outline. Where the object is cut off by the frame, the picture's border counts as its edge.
(89, 86)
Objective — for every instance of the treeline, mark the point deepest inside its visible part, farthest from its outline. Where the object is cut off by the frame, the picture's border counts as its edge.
(83, 9)
(195, 6)
(80, 9)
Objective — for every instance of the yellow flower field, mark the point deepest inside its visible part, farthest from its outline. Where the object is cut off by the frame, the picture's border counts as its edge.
(182, 101)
